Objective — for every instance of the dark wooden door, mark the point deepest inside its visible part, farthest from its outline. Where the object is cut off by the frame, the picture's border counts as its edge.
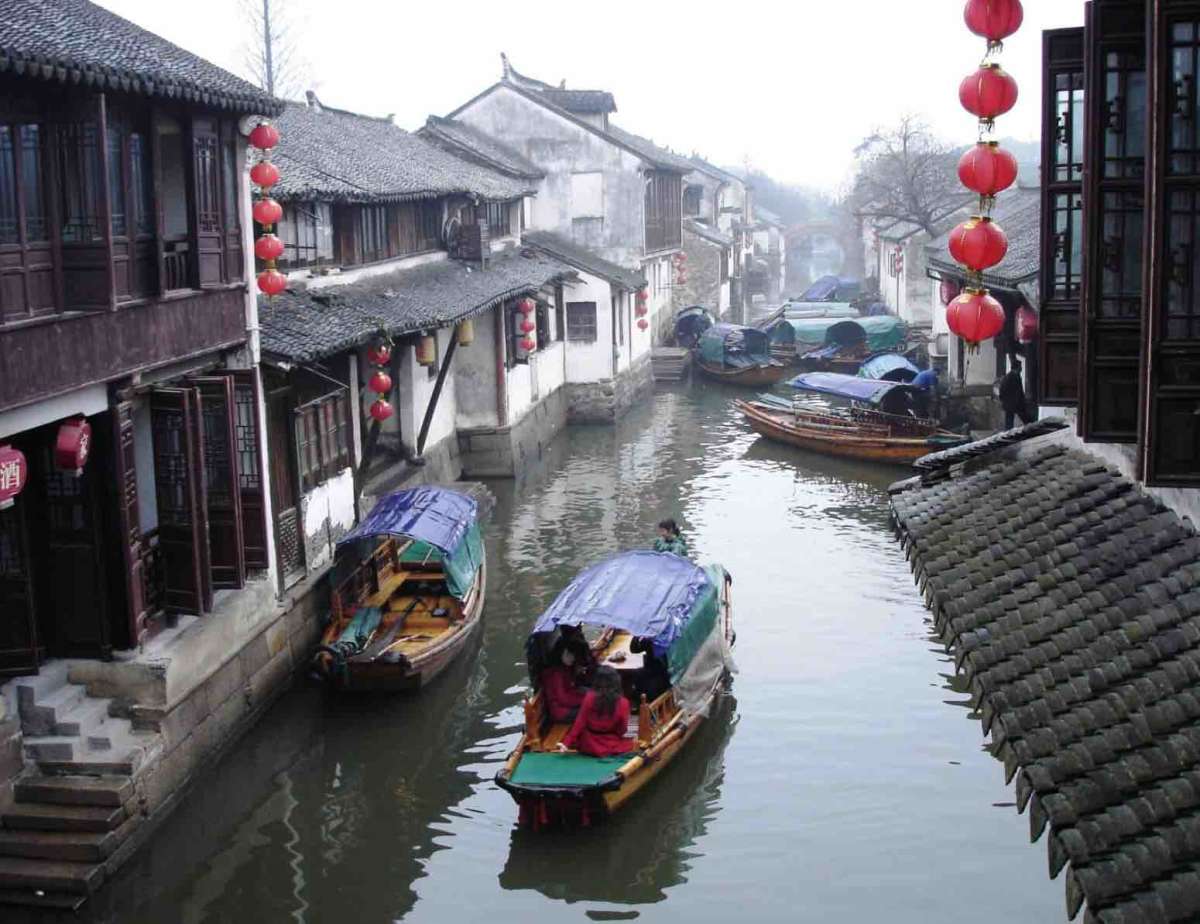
(250, 474)
(19, 652)
(74, 589)
(179, 490)
(141, 628)
(289, 531)
(207, 232)
(227, 557)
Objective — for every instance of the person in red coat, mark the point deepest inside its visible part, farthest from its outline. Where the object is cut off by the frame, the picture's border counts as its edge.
(599, 729)
(560, 686)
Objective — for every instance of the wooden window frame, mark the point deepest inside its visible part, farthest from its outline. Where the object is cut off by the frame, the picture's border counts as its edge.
(574, 328)
(663, 211)
(322, 438)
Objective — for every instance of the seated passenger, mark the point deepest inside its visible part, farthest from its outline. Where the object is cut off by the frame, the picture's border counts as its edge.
(654, 679)
(560, 687)
(670, 539)
(603, 720)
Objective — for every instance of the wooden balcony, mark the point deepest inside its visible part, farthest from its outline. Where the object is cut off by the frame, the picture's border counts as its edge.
(52, 355)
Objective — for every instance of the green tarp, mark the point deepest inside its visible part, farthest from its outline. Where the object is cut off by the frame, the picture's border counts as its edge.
(460, 567)
(699, 627)
(552, 769)
(882, 332)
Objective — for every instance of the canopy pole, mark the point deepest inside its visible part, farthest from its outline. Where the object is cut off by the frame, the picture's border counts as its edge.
(437, 390)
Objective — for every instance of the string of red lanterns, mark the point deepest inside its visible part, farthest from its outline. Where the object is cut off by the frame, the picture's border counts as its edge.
(527, 325)
(641, 307)
(379, 355)
(267, 212)
(987, 170)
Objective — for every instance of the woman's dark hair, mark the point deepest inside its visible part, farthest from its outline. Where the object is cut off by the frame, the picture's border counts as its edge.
(606, 684)
(670, 526)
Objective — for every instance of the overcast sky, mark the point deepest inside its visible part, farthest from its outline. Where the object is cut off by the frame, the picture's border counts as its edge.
(786, 87)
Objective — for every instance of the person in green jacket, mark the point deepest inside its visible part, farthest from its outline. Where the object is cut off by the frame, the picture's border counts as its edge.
(670, 540)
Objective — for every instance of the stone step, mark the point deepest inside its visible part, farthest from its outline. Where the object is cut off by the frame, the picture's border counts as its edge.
(40, 713)
(37, 816)
(85, 718)
(49, 876)
(75, 790)
(119, 753)
(51, 747)
(39, 898)
(71, 846)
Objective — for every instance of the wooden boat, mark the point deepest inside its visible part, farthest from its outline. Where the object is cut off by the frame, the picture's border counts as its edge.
(871, 437)
(410, 591)
(738, 355)
(687, 611)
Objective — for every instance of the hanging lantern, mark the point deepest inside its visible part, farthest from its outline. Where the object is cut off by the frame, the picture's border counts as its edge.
(975, 316)
(994, 20)
(379, 354)
(267, 212)
(640, 310)
(272, 282)
(526, 306)
(268, 247)
(381, 383)
(527, 344)
(988, 93)
(426, 349)
(381, 410)
(466, 332)
(14, 471)
(948, 290)
(643, 323)
(643, 296)
(264, 136)
(527, 326)
(1027, 325)
(987, 169)
(264, 174)
(978, 244)
(72, 445)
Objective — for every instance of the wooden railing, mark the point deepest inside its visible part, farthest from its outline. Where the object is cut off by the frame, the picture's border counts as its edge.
(175, 265)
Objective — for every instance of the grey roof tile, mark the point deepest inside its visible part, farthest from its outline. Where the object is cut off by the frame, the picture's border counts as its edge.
(583, 259)
(468, 141)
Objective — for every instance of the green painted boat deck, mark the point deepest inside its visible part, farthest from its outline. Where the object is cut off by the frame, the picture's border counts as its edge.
(553, 769)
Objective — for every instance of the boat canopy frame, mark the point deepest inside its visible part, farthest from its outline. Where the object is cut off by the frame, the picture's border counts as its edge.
(735, 345)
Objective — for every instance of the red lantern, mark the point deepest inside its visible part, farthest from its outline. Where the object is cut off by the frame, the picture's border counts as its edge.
(640, 310)
(994, 20)
(526, 306)
(268, 247)
(643, 296)
(978, 244)
(987, 169)
(381, 410)
(264, 136)
(975, 316)
(272, 282)
(527, 326)
(527, 344)
(73, 445)
(379, 354)
(381, 383)
(988, 93)
(264, 174)
(948, 290)
(1027, 325)
(643, 323)
(267, 211)
(13, 472)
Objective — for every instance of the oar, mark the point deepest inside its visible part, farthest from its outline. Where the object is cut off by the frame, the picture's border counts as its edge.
(374, 650)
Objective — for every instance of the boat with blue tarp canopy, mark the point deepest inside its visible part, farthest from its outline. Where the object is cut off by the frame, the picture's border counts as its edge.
(892, 397)
(738, 355)
(408, 594)
(833, 289)
(690, 325)
(888, 367)
(650, 608)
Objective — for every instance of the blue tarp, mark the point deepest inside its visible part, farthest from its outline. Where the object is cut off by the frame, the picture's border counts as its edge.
(434, 515)
(690, 323)
(890, 367)
(648, 594)
(872, 391)
(832, 288)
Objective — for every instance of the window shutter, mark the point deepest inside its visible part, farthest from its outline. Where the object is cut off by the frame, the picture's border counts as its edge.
(206, 201)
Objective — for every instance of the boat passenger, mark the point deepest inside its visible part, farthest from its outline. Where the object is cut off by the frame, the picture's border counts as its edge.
(603, 720)
(926, 395)
(670, 540)
(560, 684)
(654, 679)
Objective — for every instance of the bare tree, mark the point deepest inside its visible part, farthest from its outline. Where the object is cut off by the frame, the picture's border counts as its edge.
(908, 174)
(272, 53)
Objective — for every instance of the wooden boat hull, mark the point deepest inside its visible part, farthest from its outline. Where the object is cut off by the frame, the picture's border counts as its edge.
(411, 674)
(753, 377)
(836, 441)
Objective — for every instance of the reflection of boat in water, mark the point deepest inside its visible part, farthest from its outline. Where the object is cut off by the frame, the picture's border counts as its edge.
(686, 614)
(635, 858)
(409, 592)
(739, 355)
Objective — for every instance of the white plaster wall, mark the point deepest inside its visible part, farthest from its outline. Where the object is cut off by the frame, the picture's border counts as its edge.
(591, 362)
(416, 389)
(551, 369)
(520, 391)
(475, 376)
(328, 512)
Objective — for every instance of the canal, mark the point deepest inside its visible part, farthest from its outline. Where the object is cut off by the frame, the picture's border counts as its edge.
(841, 779)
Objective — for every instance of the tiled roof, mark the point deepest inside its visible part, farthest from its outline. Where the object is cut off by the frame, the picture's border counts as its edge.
(1070, 600)
(704, 166)
(77, 42)
(1019, 213)
(329, 154)
(467, 141)
(708, 232)
(582, 101)
(585, 260)
(936, 461)
(303, 326)
(660, 157)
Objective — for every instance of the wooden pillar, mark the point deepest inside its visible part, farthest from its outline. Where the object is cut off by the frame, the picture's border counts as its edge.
(106, 198)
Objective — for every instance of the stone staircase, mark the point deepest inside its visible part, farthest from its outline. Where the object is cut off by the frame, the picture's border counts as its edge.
(76, 803)
(670, 364)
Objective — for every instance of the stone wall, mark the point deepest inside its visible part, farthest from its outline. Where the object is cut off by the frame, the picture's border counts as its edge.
(11, 759)
(606, 401)
(501, 452)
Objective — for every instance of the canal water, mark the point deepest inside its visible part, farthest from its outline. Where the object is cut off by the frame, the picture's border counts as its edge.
(841, 779)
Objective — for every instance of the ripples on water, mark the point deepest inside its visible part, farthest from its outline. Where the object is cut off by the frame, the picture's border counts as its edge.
(834, 783)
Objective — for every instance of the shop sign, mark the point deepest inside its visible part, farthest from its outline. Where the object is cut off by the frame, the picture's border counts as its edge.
(13, 473)
(73, 445)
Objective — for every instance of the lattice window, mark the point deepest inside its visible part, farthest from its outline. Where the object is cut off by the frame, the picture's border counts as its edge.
(322, 438)
(171, 470)
(216, 452)
(581, 322)
(1124, 115)
(245, 428)
(79, 173)
(1120, 220)
(1067, 266)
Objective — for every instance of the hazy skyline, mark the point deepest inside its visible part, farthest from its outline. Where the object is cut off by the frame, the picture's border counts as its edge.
(790, 90)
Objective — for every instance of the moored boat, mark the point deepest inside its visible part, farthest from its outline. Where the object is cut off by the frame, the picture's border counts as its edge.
(686, 614)
(739, 355)
(410, 584)
(870, 435)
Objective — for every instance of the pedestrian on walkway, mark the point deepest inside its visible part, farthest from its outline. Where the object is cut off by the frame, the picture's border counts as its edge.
(1010, 389)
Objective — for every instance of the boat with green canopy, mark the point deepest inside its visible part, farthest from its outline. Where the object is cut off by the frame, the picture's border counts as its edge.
(683, 614)
(739, 355)
(408, 592)
(837, 344)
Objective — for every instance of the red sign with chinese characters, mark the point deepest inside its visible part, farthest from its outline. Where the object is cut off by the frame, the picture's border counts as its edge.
(13, 472)
(73, 445)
